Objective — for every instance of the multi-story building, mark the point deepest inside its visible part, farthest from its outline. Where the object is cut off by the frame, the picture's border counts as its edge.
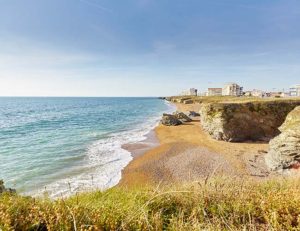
(190, 92)
(214, 91)
(193, 91)
(295, 91)
(232, 89)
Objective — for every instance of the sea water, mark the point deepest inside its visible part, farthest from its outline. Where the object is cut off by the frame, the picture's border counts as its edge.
(61, 146)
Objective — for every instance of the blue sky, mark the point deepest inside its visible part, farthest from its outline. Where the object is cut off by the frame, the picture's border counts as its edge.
(146, 47)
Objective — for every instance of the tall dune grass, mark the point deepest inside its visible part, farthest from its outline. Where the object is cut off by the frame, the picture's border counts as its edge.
(216, 204)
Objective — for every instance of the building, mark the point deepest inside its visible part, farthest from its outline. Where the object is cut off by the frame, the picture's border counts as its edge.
(258, 93)
(190, 92)
(193, 91)
(232, 89)
(274, 94)
(248, 93)
(214, 91)
(285, 94)
(202, 93)
(295, 91)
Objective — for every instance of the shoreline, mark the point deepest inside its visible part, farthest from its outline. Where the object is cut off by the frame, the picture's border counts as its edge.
(139, 148)
(116, 151)
(151, 140)
(187, 153)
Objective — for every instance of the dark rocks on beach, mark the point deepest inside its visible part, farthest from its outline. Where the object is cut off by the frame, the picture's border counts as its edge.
(5, 190)
(170, 120)
(182, 117)
(176, 119)
(284, 150)
(192, 114)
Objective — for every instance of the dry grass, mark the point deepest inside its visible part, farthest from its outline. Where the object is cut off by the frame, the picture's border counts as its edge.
(216, 204)
(232, 99)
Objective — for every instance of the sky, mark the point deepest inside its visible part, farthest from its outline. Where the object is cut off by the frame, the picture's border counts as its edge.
(146, 47)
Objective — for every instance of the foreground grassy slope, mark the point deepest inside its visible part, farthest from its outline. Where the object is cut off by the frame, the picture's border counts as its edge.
(211, 205)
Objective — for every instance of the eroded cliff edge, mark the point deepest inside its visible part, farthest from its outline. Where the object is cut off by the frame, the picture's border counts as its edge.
(284, 151)
(242, 121)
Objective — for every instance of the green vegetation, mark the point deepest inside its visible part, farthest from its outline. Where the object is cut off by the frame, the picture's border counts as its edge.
(219, 204)
(228, 99)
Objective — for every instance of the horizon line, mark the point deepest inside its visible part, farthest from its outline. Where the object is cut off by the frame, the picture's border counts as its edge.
(42, 96)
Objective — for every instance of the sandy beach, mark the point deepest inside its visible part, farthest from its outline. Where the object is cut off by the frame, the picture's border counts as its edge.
(187, 153)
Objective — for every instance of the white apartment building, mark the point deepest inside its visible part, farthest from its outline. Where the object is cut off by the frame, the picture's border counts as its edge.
(190, 92)
(214, 91)
(295, 91)
(232, 89)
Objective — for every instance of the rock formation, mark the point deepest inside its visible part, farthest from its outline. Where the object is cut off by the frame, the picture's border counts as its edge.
(170, 120)
(284, 149)
(5, 190)
(182, 117)
(176, 119)
(192, 114)
(188, 101)
(184, 100)
(237, 122)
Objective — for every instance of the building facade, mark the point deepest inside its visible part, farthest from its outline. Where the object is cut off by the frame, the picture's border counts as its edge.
(214, 91)
(258, 93)
(190, 92)
(295, 91)
(193, 91)
(232, 89)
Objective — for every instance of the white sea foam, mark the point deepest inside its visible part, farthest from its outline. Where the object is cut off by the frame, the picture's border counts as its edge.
(105, 160)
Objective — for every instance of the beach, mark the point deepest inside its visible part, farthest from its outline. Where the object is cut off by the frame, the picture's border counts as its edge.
(187, 153)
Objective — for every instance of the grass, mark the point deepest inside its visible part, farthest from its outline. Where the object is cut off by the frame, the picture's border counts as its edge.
(217, 204)
(233, 99)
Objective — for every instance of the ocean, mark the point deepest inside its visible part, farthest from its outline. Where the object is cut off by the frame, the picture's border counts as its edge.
(60, 146)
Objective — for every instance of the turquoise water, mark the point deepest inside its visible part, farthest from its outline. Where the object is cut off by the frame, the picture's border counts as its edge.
(65, 145)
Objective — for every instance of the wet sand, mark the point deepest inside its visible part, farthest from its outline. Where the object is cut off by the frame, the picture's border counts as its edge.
(187, 153)
(140, 148)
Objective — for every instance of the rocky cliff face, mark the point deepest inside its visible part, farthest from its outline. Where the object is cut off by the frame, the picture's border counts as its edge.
(237, 122)
(285, 149)
(184, 100)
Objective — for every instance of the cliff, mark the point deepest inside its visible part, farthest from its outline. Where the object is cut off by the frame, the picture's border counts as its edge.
(241, 121)
(285, 149)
